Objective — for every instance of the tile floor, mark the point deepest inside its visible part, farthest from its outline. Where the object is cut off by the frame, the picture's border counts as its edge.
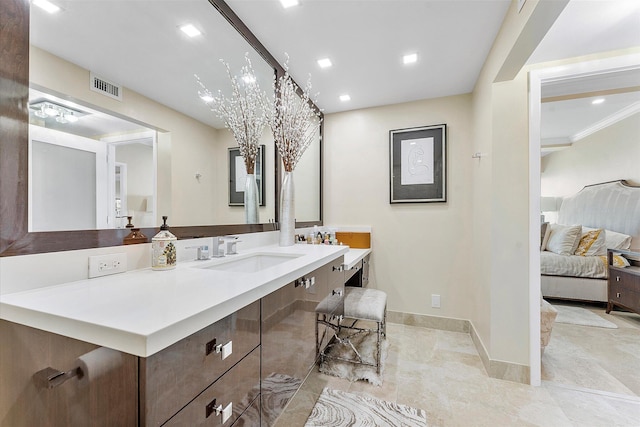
(596, 358)
(441, 372)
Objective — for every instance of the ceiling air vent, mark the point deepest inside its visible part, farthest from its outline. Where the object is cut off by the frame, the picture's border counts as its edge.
(105, 87)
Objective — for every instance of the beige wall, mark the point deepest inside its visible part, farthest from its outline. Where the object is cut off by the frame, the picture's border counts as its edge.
(418, 249)
(610, 154)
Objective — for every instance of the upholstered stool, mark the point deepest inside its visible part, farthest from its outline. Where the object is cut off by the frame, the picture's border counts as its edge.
(360, 304)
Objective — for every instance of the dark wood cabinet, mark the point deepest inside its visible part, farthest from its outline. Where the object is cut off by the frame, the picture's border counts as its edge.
(624, 283)
(110, 400)
(288, 335)
(173, 377)
(223, 402)
(240, 370)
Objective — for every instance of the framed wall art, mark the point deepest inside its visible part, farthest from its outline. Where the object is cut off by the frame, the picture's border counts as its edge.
(418, 164)
(238, 176)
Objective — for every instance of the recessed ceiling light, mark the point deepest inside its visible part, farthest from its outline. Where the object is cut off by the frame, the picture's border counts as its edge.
(289, 3)
(190, 30)
(410, 58)
(597, 101)
(324, 63)
(47, 6)
(345, 98)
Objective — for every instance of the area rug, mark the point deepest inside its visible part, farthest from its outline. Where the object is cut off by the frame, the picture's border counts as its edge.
(366, 345)
(335, 408)
(581, 316)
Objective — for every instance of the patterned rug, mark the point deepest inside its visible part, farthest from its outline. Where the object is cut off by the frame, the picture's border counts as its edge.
(336, 408)
(581, 316)
(366, 345)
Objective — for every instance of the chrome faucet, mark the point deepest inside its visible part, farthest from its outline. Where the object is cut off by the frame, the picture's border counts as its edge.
(218, 247)
(231, 244)
(203, 252)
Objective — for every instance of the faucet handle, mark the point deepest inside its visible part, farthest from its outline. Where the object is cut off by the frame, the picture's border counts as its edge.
(231, 244)
(203, 251)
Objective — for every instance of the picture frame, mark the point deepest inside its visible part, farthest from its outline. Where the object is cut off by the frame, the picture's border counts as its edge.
(418, 164)
(237, 176)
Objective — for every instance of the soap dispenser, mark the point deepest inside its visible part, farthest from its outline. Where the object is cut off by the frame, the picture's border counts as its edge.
(163, 246)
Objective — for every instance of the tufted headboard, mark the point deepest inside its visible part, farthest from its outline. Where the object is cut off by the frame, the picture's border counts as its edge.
(612, 205)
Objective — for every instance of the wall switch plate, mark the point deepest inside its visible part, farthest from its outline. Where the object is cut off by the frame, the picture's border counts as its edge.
(435, 301)
(103, 265)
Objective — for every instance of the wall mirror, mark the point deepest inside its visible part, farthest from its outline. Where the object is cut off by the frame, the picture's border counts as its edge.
(137, 51)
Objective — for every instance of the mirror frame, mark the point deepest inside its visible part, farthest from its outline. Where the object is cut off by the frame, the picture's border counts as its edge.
(15, 238)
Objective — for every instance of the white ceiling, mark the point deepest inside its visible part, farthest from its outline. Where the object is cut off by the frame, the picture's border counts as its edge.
(138, 44)
(366, 39)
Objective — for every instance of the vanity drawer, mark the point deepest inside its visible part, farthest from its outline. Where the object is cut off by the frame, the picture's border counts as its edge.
(353, 270)
(239, 388)
(172, 377)
(336, 273)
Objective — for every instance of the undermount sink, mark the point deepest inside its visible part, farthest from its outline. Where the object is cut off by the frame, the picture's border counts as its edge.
(251, 263)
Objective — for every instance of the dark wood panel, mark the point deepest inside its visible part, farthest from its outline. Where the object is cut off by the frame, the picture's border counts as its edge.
(288, 338)
(14, 119)
(111, 400)
(171, 378)
(240, 386)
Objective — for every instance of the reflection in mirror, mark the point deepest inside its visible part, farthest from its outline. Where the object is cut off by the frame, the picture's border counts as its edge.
(307, 184)
(80, 178)
(133, 63)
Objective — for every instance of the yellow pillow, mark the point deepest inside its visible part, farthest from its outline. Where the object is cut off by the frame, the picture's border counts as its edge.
(618, 261)
(592, 243)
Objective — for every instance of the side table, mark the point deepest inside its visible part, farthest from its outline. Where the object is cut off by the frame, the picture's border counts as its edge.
(624, 283)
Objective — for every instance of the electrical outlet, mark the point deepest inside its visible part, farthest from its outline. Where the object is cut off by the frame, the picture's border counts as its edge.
(435, 301)
(103, 265)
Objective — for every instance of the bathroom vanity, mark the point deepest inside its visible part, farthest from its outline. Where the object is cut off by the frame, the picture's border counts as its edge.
(221, 342)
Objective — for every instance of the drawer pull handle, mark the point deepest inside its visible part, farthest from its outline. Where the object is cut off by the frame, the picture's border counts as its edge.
(337, 292)
(617, 278)
(617, 294)
(305, 282)
(226, 411)
(340, 268)
(225, 350)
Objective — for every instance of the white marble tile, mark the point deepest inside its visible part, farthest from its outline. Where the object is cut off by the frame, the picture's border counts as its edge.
(441, 372)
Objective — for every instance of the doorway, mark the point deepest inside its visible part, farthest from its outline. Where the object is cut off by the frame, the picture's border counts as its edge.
(537, 79)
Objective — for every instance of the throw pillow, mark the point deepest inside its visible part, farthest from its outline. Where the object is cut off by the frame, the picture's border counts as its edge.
(614, 240)
(564, 239)
(592, 243)
(545, 232)
(618, 261)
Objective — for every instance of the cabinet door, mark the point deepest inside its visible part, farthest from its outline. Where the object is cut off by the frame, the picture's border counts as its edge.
(172, 377)
(236, 391)
(109, 400)
(288, 339)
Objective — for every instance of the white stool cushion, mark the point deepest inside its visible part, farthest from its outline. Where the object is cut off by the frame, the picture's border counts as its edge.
(365, 304)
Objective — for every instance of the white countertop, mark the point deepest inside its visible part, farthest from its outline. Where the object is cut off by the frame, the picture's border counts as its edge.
(352, 257)
(142, 312)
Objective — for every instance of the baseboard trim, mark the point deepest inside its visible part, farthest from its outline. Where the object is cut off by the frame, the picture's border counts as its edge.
(498, 369)
(432, 322)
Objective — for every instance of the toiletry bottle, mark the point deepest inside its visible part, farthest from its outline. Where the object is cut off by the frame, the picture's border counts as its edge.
(163, 246)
